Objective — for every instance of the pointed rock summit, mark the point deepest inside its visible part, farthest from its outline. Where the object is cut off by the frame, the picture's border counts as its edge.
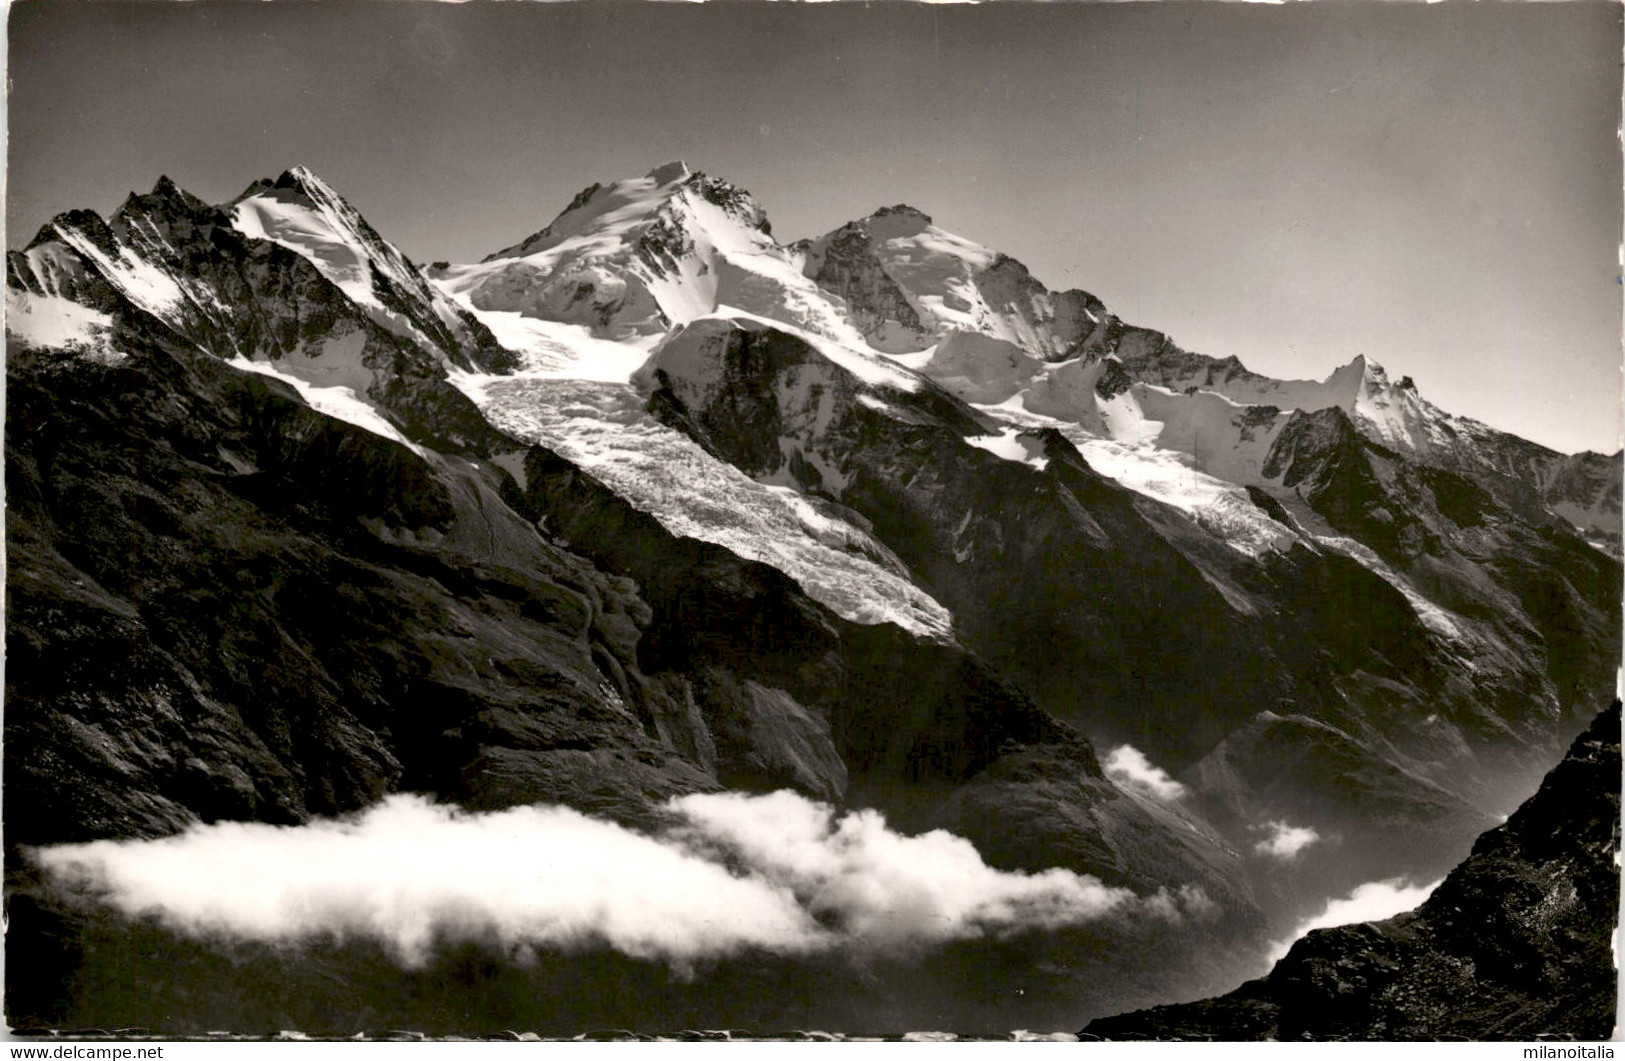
(304, 179)
(166, 198)
(303, 213)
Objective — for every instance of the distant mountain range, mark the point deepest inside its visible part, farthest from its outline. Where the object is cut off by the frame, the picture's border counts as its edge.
(649, 504)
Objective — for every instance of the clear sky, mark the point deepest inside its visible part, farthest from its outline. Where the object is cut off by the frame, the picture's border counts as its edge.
(1435, 186)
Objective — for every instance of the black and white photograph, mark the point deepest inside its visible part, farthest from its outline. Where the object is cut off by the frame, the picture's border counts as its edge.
(858, 521)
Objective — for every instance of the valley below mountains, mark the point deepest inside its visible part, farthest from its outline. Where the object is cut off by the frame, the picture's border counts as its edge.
(657, 625)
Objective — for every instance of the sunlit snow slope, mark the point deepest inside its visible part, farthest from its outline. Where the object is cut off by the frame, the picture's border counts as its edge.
(637, 256)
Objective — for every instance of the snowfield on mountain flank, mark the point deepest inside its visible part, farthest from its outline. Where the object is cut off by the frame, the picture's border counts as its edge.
(1011, 446)
(869, 365)
(59, 324)
(1222, 508)
(555, 350)
(147, 286)
(338, 401)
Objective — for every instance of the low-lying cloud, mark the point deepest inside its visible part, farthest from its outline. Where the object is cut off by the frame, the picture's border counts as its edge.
(1127, 765)
(735, 872)
(1373, 901)
(1284, 840)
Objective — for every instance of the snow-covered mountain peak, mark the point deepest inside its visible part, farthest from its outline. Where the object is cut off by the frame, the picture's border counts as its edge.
(297, 184)
(620, 212)
(337, 326)
(303, 213)
(906, 283)
(636, 256)
(596, 208)
(304, 179)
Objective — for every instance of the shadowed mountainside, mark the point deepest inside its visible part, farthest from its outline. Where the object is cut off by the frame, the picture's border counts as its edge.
(1517, 942)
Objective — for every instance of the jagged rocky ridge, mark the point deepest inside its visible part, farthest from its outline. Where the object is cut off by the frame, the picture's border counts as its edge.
(168, 263)
(487, 580)
(1516, 942)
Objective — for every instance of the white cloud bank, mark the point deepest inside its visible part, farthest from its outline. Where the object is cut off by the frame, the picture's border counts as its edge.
(1285, 841)
(736, 872)
(1127, 765)
(1373, 901)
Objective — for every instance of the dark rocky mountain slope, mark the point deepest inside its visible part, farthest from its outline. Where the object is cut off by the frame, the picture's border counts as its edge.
(1517, 942)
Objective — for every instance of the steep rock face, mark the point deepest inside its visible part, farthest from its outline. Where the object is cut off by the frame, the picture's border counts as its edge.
(1534, 598)
(962, 518)
(1585, 490)
(1515, 943)
(845, 264)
